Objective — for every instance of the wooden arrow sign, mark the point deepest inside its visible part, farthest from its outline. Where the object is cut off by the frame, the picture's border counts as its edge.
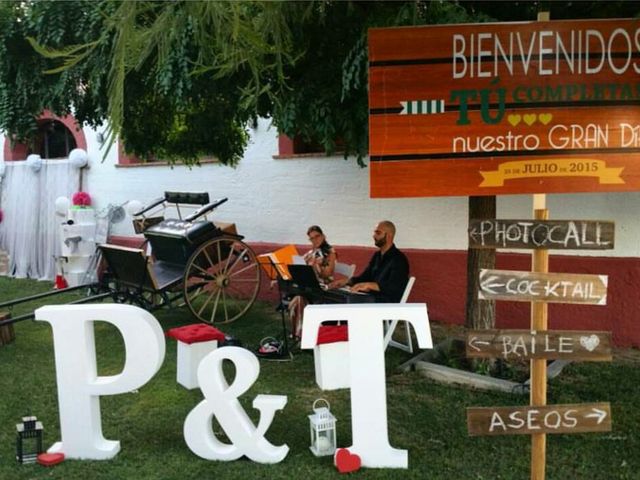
(568, 418)
(553, 344)
(547, 234)
(543, 287)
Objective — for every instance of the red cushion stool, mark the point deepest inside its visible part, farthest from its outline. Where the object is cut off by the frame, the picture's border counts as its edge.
(331, 357)
(194, 343)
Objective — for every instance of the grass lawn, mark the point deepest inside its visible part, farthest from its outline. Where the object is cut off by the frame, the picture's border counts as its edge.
(425, 418)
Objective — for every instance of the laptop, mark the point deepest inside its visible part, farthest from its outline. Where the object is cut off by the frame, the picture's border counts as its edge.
(304, 276)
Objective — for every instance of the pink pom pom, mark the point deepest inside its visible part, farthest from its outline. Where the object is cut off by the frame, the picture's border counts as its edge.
(81, 199)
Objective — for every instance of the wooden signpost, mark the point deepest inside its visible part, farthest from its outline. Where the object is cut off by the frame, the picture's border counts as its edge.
(513, 108)
(543, 287)
(551, 344)
(539, 344)
(547, 234)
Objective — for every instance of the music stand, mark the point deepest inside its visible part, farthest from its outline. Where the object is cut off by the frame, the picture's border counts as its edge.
(274, 272)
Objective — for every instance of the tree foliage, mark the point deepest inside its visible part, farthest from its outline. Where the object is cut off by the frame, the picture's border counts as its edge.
(25, 90)
(182, 79)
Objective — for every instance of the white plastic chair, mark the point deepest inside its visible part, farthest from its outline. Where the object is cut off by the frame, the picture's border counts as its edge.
(390, 325)
(345, 269)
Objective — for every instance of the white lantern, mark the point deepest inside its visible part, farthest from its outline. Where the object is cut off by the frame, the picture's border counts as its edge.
(323, 430)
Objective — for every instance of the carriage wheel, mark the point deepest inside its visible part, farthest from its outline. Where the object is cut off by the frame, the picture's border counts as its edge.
(221, 280)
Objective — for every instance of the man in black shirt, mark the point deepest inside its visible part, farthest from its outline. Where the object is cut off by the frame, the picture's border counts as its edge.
(387, 274)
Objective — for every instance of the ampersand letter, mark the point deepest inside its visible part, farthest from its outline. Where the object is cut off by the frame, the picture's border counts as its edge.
(221, 401)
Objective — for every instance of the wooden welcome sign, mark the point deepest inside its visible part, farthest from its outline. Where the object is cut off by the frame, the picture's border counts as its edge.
(507, 108)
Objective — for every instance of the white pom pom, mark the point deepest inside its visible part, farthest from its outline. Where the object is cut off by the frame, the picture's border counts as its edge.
(34, 162)
(62, 205)
(78, 157)
(134, 206)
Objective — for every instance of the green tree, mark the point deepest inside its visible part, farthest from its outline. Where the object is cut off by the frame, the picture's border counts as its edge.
(138, 66)
(181, 79)
(25, 90)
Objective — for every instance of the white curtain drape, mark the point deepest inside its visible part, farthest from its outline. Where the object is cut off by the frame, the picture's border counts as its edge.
(30, 231)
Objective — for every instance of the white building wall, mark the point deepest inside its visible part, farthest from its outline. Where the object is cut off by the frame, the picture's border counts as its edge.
(275, 200)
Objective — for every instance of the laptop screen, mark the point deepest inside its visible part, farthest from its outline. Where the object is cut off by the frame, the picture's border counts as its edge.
(304, 276)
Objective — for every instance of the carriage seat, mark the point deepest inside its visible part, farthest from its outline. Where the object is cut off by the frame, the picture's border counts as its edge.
(175, 240)
(194, 232)
(132, 267)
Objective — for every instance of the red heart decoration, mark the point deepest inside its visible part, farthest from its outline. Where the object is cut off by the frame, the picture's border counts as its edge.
(346, 461)
(50, 459)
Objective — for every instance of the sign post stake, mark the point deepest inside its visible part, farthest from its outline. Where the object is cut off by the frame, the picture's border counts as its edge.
(538, 396)
(540, 264)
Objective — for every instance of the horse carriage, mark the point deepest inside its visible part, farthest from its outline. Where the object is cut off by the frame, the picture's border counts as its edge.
(202, 264)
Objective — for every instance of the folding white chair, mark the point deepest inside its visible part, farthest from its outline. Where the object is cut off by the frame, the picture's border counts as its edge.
(390, 325)
(345, 269)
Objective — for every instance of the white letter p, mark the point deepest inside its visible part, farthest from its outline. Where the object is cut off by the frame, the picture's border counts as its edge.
(80, 387)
